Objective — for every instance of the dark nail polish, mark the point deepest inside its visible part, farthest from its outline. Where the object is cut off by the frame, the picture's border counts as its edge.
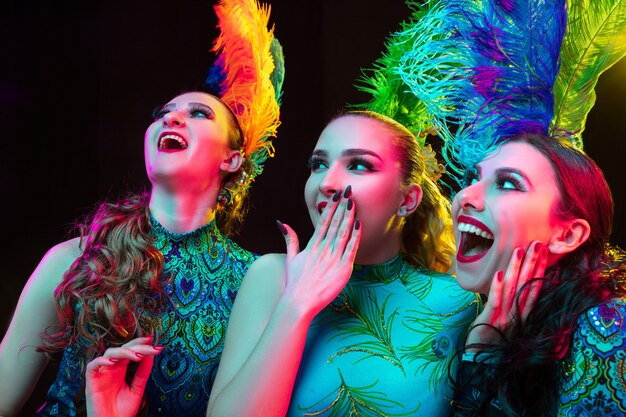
(357, 225)
(337, 195)
(281, 227)
(350, 204)
(346, 193)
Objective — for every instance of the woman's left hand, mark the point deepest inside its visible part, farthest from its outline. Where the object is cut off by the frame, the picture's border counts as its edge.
(107, 393)
(503, 307)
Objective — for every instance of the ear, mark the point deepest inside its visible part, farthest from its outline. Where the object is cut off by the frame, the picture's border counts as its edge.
(232, 162)
(569, 237)
(411, 200)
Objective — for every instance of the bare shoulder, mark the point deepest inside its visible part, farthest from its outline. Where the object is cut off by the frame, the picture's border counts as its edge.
(66, 251)
(56, 261)
(267, 269)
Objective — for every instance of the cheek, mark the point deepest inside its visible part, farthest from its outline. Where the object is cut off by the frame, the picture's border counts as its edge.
(310, 189)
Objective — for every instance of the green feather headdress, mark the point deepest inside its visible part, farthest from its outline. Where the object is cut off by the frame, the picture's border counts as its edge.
(390, 96)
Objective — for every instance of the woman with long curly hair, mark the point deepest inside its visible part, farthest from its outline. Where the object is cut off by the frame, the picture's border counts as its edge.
(159, 266)
(152, 264)
(550, 340)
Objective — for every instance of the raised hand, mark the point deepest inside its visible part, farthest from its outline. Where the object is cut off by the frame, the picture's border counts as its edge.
(107, 393)
(316, 275)
(501, 309)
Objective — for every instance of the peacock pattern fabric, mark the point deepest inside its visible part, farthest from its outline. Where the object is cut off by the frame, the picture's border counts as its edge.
(203, 270)
(593, 379)
(206, 270)
(383, 346)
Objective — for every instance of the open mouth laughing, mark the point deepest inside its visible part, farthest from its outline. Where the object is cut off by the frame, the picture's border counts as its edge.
(171, 142)
(476, 239)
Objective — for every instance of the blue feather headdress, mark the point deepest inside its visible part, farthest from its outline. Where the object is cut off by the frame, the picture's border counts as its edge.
(486, 69)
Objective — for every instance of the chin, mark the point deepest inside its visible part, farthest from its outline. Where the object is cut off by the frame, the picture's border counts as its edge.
(471, 282)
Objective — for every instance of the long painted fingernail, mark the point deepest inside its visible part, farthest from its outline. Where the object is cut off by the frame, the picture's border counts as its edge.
(538, 247)
(500, 276)
(357, 225)
(337, 195)
(159, 348)
(346, 193)
(114, 360)
(520, 253)
(281, 227)
(350, 204)
(139, 355)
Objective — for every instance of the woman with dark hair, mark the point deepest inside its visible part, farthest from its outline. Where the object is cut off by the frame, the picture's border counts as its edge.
(551, 339)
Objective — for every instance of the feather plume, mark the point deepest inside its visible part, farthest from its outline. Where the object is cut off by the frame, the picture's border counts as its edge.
(244, 69)
(389, 95)
(485, 70)
(594, 41)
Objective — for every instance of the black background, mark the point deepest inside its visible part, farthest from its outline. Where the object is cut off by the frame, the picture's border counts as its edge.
(78, 84)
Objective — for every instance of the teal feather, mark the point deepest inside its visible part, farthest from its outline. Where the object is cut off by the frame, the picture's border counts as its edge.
(485, 70)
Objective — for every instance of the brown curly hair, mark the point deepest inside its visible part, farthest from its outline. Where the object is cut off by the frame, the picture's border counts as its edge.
(113, 290)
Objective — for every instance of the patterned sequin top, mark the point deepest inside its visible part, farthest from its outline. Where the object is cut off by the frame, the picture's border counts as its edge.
(593, 373)
(382, 348)
(206, 268)
(593, 381)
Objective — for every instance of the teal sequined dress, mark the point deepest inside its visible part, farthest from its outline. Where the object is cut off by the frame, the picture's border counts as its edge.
(383, 346)
(206, 268)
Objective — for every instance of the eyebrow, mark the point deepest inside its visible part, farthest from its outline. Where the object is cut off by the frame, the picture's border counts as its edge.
(502, 170)
(349, 153)
(172, 106)
(514, 171)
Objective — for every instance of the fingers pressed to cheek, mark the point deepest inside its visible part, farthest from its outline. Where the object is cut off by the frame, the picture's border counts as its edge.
(530, 261)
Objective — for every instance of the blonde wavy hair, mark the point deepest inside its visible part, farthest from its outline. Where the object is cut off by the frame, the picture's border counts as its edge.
(427, 236)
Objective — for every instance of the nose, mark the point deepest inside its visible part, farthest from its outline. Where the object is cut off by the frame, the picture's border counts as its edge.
(173, 119)
(472, 197)
(332, 181)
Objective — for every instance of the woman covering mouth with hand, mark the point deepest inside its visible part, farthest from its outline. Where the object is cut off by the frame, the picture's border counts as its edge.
(357, 322)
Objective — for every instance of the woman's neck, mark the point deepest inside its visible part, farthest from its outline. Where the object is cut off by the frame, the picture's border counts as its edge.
(184, 210)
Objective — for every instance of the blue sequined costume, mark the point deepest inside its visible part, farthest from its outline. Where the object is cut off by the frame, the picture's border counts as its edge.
(206, 268)
(383, 347)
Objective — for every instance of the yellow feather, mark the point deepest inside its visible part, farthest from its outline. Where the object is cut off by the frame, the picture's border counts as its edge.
(244, 43)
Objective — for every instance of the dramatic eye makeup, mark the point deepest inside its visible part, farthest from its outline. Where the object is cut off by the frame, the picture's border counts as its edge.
(360, 164)
(359, 160)
(160, 111)
(200, 110)
(316, 162)
(196, 110)
(471, 176)
(509, 179)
